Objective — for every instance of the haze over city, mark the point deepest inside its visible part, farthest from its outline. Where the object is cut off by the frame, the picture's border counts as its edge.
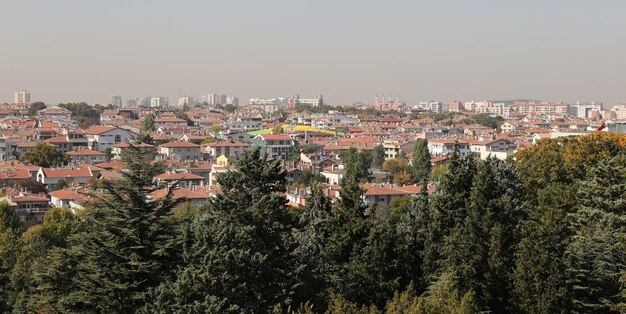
(347, 50)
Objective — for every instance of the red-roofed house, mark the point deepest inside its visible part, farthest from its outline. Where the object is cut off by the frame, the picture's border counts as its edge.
(274, 145)
(102, 137)
(228, 149)
(181, 151)
(50, 176)
(87, 156)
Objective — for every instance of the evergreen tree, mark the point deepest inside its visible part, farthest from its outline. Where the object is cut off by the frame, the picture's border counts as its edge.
(9, 232)
(125, 245)
(481, 251)
(539, 275)
(378, 156)
(357, 164)
(595, 262)
(239, 255)
(446, 211)
(421, 160)
(148, 123)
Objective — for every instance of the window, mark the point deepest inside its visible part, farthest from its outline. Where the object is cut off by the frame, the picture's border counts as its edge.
(118, 138)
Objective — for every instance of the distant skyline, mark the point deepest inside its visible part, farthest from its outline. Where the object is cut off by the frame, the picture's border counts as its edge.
(349, 51)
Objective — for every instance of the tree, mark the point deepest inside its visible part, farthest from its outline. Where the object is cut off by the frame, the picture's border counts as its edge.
(239, 256)
(215, 129)
(481, 250)
(421, 160)
(539, 275)
(229, 108)
(33, 108)
(84, 114)
(357, 164)
(400, 171)
(278, 129)
(10, 230)
(61, 184)
(44, 155)
(148, 123)
(378, 156)
(125, 245)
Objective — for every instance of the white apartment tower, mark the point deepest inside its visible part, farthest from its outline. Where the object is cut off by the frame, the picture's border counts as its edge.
(22, 97)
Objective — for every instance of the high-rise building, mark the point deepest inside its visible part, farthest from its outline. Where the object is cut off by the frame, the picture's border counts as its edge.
(585, 109)
(232, 101)
(22, 97)
(186, 101)
(131, 103)
(116, 101)
(158, 102)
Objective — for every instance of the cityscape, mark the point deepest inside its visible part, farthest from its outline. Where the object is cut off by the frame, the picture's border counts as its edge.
(313, 157)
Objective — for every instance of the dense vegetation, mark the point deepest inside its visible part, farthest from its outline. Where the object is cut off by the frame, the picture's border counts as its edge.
(543, 233)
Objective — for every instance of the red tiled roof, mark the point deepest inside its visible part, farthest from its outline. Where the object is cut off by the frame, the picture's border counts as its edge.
(63, 173)
(178, 176)
(276, 137)
(68, 194)
(86, 152)
(99, 129)
(179, 144)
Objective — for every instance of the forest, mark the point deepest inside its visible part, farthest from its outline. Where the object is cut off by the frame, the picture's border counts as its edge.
(542, 232)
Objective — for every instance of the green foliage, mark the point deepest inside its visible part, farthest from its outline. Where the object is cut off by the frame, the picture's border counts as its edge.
(229, 108)
(400, 171)
(278, 129)
(44, 155)
(307, 179)
(33, 108)
(421, 160)
(378, 156)
(124, 246)
(148, 123)
(485, 120)
(239, 253)
(84, 114)
(61, 184)
(357, 164)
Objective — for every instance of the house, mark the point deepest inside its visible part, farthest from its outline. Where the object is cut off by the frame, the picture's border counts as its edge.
(87, 156)
(382, 195)
(197, 197)
(118, 149)
(169, 122)
(102, 137)
(54, 113)
(498, 148)
(446, 146)
(28, 207)
(228, 149)
(184, 180)
(274, 145)
(181, 151)
(50, 176)
(67, 198)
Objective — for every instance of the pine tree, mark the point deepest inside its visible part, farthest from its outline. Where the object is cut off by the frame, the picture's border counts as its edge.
(378, 156)
(10, 230)
(446, 211)
(539, 275)
(421, 160)
(239, 255)
(481, 251)
(125, 245)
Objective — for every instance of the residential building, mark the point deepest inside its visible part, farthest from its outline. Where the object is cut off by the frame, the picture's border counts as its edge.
(87, 156)
(102, 137)
(274, 145)
(22, 97)
(116, 101)
(228, 149)
(181, 151)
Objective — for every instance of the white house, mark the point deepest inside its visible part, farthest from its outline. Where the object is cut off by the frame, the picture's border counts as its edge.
(102, 137)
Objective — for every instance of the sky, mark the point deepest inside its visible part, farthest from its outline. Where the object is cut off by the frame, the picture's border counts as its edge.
(347, 50)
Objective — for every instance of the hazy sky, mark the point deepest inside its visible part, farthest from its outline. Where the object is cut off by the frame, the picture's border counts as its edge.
(348, 50)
